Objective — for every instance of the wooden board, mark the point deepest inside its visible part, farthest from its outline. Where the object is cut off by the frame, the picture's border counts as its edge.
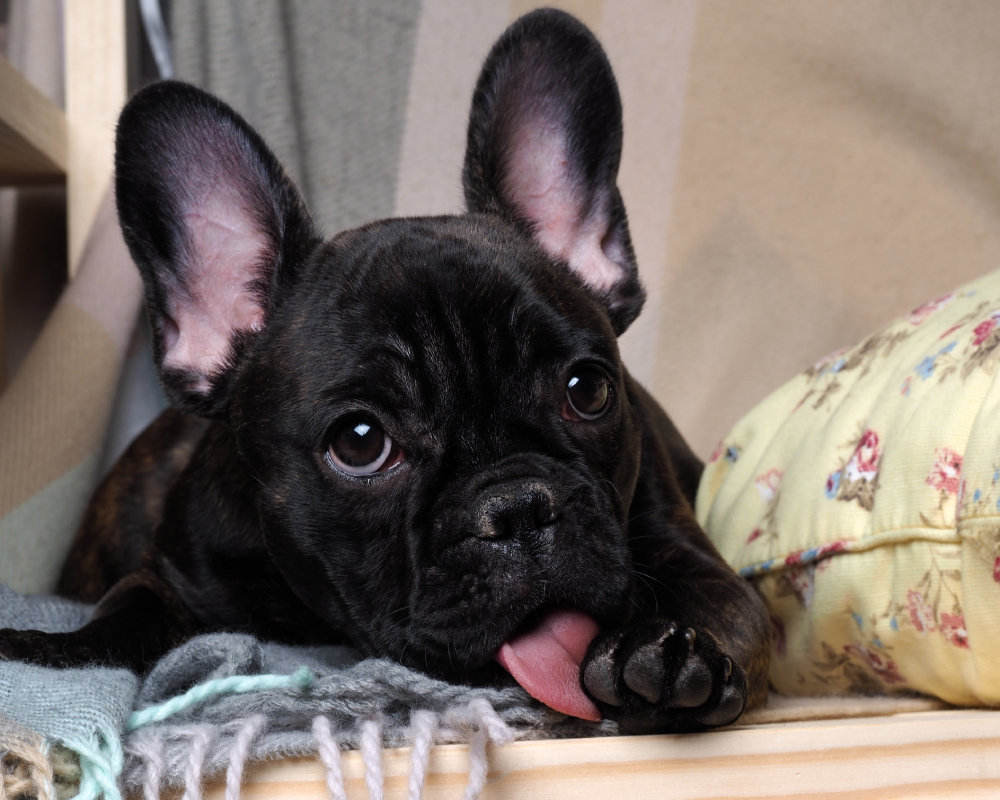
(921, 755)
(96, 89)
(32, 133)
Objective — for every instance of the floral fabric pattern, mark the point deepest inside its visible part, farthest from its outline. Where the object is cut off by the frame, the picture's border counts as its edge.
(858, 479)
(863, 500)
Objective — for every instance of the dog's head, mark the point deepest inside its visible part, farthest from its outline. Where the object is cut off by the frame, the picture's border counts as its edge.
(434, 408)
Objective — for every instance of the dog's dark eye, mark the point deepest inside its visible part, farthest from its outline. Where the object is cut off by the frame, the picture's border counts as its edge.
(588, 394)
(360, 447)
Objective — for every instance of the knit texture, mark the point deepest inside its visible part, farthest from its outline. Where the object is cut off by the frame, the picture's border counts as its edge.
(223, 700)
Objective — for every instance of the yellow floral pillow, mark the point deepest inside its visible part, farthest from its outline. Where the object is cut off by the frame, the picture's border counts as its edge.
(863, 499)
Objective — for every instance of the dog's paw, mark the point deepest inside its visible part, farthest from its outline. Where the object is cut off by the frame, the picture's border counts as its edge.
(34, 647)
(658, 676)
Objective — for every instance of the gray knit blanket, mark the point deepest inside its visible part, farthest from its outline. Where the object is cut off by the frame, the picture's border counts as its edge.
(223, 700)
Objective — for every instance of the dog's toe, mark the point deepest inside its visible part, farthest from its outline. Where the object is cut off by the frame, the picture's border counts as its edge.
(599, 672)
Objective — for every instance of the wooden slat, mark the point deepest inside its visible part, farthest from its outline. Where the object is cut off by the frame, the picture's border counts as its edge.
(96, 89)
(928, 754)
(32, 133)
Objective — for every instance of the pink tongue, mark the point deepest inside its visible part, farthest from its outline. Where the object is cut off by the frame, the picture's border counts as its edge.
(546, 661)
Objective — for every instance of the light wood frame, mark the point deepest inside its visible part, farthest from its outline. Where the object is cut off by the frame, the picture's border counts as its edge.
(918, 755)
(40, 144)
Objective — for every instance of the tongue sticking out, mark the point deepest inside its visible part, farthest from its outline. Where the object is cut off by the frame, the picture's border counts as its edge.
(546, 661)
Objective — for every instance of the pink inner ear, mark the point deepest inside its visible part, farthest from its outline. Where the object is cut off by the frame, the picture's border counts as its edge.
(225, 247)
(541, 187)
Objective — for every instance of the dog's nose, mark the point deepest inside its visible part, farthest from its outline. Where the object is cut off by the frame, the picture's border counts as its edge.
(516, 510)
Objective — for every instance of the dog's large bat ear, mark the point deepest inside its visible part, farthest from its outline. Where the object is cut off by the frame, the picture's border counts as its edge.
(544, 145)
(216, 228)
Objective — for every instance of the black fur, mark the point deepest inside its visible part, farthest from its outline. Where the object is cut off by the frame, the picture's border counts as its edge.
(457, 336)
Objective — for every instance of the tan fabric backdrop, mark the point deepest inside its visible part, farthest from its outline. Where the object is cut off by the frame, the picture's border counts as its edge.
(795, 173)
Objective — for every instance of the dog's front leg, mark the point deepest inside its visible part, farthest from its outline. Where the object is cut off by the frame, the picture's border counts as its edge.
(695, 652)
(137, 622)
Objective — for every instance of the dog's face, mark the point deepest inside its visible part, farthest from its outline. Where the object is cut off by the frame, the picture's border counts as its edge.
(434, 408)
(439, 424)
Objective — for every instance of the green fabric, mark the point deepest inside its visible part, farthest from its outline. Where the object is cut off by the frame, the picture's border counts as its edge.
(326, 85)
(37, 534)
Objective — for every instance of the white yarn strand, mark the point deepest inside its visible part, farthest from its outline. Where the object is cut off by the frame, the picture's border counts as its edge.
(248, 732)
(489, 727)
(148, 746)
(371, 755)
(423, 726)
(200, 744)
(329, 753)
(500, 732)
(477, 764)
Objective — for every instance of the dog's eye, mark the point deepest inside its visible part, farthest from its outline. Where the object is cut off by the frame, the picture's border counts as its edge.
(360, 447)
(588, 394)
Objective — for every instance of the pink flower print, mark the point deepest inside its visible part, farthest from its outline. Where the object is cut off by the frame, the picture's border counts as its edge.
(921, 313)
(953, 628)
(946, 473)
(768, 483)
(949, 332)
(826, 361)
(996, 569)
(815, 553)
(754, 535)
(864, 462)
(983, 330)
(921, 614)
(717, 452)
(885, 668)
(802, 583)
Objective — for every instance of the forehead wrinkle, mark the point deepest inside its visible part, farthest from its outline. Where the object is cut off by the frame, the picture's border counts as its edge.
(393, 367)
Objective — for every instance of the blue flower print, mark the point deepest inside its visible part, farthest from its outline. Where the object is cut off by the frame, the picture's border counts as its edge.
(926, 368)
(833, 484)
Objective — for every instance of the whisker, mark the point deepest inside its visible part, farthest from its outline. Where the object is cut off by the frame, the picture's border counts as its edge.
(664, 507)
(620, 498)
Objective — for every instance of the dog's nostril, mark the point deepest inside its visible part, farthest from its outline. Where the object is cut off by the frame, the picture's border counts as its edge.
(493, 526)
(546, 512)
(518, 513)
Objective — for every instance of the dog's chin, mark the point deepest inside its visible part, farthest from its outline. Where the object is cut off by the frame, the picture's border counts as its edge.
(542, 652)
(546, 657)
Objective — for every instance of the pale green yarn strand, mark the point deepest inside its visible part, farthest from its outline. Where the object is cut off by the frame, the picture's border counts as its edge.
(302, 678)
(100, 764)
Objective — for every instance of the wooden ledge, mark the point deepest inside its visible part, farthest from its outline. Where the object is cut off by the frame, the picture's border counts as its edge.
(925, 754)
(32, 133)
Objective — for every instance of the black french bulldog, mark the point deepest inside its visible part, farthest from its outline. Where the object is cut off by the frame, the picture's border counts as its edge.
(417, 436)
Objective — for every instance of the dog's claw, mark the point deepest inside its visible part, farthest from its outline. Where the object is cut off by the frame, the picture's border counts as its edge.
(650, 679)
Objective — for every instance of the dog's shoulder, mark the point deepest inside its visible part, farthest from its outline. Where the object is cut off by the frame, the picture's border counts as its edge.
(128, 504)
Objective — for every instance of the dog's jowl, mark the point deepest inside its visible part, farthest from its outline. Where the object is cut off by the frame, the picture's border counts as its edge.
(417, 436)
